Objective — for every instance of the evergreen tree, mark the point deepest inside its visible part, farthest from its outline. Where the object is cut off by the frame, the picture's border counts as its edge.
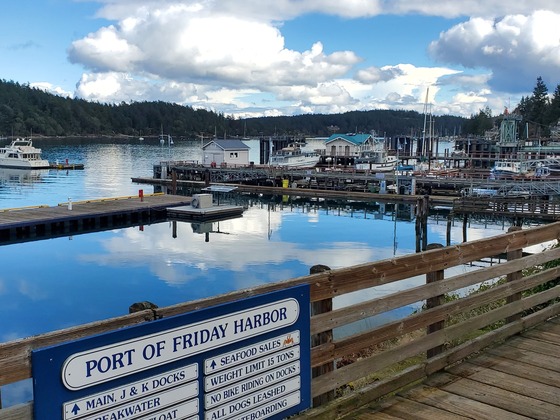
(553, 113)
(538, 109)
(479, 123)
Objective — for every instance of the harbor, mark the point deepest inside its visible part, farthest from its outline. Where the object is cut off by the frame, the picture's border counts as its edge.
(279, 236)
(326, 214)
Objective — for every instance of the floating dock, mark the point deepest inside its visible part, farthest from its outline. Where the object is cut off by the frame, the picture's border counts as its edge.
(202, 208)
(208, 214)
(66, 165)
(70, 218)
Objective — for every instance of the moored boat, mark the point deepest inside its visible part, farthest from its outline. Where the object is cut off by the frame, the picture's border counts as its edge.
(376, 160)
(293, 156)
(21, 154)
(509, 168)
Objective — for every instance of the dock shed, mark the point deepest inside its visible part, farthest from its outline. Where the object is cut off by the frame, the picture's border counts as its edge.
(225, 152)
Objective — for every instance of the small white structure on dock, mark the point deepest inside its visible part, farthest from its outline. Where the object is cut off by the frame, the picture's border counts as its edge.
(203, 208)
(225, 152)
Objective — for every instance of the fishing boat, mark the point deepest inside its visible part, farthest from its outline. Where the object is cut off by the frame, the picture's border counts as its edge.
(21, 153)
(509, 168)
(294, 157)
(376, 160)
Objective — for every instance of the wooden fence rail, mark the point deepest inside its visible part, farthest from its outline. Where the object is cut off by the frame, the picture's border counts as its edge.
(455, 322)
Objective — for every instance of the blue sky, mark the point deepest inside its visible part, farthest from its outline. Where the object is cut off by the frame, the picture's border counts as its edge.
(254, 57)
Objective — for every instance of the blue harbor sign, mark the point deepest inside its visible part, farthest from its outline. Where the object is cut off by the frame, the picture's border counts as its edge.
(244, 360)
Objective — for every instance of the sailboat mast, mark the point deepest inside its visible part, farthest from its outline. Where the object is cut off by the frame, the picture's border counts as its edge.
(425, 116)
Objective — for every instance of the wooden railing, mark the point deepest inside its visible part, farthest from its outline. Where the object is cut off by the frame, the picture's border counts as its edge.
(385, 357)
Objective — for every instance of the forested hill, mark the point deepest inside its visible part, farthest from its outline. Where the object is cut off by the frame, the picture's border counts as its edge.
(25, 111)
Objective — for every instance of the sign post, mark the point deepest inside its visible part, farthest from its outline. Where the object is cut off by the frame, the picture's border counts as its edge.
(248, 359)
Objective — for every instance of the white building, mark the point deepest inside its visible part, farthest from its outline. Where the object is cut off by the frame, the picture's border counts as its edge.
(225, 152)
(350, 144)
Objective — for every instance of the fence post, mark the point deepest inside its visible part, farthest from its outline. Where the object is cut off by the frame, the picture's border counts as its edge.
(317, 308)
(465, 226)
(142, 306)
(418, 224)
(173, 181)
(449, 224)
(434, 302)
(516, 275)
(425, 214)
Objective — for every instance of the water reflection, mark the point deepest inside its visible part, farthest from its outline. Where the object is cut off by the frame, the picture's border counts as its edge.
(21, 176)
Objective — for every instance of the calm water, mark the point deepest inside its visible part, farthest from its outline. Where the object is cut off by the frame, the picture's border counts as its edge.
(57, 283)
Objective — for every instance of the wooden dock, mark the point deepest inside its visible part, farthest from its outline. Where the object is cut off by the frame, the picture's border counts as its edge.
(519, 379)
(66, 166)
(40, 222)
(438, 183)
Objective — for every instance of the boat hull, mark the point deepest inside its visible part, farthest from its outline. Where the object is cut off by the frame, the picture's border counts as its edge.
(296, 163)
(387, 164)
(22, 164)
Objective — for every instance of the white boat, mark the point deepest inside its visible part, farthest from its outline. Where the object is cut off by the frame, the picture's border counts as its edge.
(376, 160)
(521, 168)
(293, 156)
(509, 168)
(21, 153)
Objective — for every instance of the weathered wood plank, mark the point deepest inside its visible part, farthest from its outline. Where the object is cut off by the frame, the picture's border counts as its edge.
(553, 327)
(529, 357)
(375, 416)
(458, 404)
(506, 400)
(546, 336)
(415, 373)
(518, 368)
(535, 346)
(17, 412)
(506, 381)
(409, 409)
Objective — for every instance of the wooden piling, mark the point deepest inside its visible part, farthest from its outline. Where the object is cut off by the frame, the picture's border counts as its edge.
(513, 255)
(325, 337)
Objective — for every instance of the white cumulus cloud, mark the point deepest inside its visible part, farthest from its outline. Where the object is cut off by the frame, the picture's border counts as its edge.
(231, 56)
(513, 48)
